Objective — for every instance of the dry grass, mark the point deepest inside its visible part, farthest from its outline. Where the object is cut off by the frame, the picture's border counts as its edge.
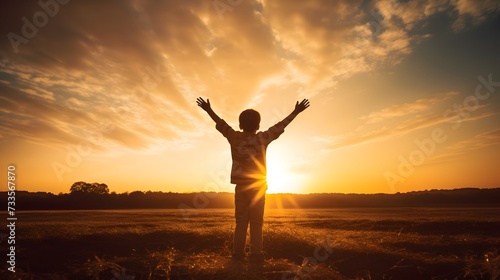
(300, 244)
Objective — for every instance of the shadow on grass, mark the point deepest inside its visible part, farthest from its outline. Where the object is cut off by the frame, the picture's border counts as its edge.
(157, 255)
(484, 228)
(193, 255)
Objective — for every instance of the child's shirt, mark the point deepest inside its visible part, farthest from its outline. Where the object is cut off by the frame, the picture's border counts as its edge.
(248, 151)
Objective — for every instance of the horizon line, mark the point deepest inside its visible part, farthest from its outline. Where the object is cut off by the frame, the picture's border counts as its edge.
(320, 193)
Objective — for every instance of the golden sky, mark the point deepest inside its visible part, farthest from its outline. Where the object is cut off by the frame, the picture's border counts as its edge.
(404, 94)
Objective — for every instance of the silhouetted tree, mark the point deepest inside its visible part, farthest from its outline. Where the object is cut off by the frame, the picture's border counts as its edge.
(94, 188)
(78, 187)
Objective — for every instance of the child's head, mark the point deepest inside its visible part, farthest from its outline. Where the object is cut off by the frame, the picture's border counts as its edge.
(249, 120)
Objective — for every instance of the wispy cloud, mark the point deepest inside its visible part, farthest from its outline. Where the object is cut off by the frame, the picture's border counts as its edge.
(399, 110)
(362, 137)
(151, 58)
(419, 114)
(473, 11)
(463, 12)
(462, 148)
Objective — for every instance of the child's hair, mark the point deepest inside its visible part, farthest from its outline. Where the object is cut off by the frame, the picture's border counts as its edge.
(249, 120)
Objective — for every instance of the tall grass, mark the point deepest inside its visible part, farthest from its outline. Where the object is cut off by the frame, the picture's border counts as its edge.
(163, 244)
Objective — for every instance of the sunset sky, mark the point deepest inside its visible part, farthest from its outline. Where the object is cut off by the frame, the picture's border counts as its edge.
(404, 94)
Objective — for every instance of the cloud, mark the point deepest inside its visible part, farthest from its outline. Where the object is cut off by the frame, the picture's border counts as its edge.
(140, 64)
(399, 110)
(474, 11)
(41, 120)
(126, 137)
(40, 92)
(405, 127)
(479, 141)
(461, 148)
(419, 114)
(330, 41)
(412, 13)
(408, 14)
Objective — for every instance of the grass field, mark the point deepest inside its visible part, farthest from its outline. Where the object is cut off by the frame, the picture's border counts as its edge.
(389, 243)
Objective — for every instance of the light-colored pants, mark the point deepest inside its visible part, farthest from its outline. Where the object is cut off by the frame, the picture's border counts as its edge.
(249, 208)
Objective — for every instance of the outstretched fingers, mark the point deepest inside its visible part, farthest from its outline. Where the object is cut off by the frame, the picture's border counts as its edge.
(302, 105)
(305, 103)
(200, 101)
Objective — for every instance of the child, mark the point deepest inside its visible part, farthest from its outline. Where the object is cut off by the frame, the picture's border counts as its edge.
(248, 172)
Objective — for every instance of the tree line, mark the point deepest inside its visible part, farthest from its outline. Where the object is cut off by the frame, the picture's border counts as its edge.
(97, 196)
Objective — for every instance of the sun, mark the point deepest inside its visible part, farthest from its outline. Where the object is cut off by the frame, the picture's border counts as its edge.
(279, 177)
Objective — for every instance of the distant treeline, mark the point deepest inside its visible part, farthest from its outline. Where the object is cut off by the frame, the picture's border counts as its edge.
(469, 197)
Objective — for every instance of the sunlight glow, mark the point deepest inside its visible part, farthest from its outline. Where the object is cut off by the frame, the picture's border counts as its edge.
(279, 177)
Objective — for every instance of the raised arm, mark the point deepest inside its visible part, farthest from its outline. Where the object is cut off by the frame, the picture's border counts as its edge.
(205, 105)
(299, 108)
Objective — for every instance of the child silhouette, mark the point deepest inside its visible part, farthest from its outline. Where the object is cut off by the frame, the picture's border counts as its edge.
(248, 172)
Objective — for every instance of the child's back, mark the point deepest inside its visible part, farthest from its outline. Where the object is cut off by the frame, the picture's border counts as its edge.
(248, 152)
(248, 172)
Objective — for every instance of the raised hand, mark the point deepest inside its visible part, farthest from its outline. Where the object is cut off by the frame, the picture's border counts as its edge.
(205, 105)
(299, 107)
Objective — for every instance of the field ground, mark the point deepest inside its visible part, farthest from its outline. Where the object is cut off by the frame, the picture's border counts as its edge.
(389, 243)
